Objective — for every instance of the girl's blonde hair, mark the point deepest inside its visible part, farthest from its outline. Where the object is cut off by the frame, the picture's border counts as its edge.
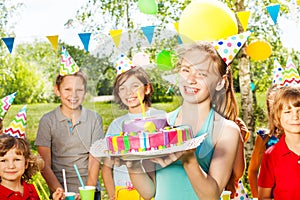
(22, 147)
(224, 101)
(286, 96)
(142, 76)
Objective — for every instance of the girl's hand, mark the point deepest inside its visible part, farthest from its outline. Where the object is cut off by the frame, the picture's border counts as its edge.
(187, 156)
(167, 160)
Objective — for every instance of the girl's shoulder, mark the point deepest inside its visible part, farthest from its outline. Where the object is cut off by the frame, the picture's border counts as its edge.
(224, 128)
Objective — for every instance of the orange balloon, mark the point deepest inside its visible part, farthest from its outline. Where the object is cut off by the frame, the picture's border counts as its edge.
(259, 50)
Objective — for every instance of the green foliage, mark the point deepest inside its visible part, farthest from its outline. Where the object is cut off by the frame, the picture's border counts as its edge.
(22, 77)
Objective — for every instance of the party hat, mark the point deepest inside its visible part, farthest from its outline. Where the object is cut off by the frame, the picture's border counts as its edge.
(5, 103)
(230, 46)
(290, 76)
(17, 127)
(67, 65)
(277, 73)
(123, 64)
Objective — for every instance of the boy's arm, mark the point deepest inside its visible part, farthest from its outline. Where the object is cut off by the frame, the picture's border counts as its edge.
(254, 165)
(48, 174)
(93, 171)
(107, 175)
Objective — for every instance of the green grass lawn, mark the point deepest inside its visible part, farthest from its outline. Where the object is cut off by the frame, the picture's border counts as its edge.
(107, 110)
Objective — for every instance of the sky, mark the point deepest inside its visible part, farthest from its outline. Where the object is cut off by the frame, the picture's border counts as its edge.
(40, 18)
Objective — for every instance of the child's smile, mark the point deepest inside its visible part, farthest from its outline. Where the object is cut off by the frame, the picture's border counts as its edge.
(12, 166)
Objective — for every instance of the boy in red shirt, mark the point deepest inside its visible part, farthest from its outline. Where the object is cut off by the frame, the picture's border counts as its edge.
(279, 176)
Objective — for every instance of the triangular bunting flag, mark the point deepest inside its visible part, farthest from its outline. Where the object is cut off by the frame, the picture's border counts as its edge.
(116, 36)
(176, 24)
(277, 73)
(5, 104)
(53, 39)
(148, 32)
(85, 39)
(244, 17)
(18, 125)
(229, 47)
(9, 42)
(273, 11)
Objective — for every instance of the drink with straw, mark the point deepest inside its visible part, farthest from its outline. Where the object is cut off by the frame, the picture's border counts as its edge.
(68, 195)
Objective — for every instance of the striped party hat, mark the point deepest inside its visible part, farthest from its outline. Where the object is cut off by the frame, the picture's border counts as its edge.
(290, 76)
(277, 73)
(123, 64)
(5, 104)
(17, 126)
(229, 47)
(67, 65)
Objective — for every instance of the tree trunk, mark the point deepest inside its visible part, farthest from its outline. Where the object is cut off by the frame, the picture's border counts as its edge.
(245, 89)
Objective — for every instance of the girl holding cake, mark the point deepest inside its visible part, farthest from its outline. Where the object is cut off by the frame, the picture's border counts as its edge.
(209, 106)
(132, 85)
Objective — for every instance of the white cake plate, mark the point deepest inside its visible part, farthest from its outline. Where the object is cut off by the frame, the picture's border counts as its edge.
(99, 149)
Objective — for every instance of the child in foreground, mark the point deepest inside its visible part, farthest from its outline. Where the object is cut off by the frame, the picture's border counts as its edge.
(17, 166)
(279, 173)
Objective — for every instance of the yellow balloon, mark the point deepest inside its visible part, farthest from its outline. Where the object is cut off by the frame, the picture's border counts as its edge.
(259, 50)
(298, 2)
(207, 20)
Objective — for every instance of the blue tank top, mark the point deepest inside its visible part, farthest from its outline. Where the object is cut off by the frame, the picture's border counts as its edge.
(172, 181)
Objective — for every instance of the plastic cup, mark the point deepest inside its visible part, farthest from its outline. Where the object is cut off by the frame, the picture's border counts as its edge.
(70, 195)
(88, 193)
(225, 195)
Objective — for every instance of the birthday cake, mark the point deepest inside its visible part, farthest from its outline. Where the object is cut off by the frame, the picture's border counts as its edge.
(149, 124)
(140, 141)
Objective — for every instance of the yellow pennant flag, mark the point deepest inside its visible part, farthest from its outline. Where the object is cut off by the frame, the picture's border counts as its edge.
(244, 17)
(53, 39)
(176, 24)
(116, 36)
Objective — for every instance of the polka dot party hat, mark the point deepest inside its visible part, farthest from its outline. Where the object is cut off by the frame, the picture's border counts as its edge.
(67, 65)
(230, 46)
(123, 64)
(18, 125)
(277, 73)
(290, 76)
(5, 104)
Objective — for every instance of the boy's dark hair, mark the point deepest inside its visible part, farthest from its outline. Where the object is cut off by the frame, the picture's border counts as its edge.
(140, 74)
(80, 74)
(22, 147)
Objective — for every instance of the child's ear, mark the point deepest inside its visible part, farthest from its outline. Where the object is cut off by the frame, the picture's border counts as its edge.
(26, 164)
(221, 84)
(56, 90)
